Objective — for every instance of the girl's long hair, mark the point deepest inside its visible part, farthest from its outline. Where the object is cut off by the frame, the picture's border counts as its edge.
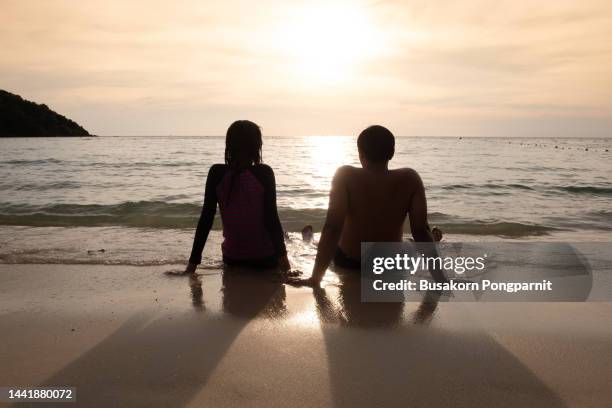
(242, 149)
(243, 144)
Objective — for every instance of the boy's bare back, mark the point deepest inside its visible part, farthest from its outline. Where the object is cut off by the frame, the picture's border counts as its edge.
(375, 203)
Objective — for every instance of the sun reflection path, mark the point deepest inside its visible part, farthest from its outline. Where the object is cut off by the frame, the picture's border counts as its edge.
(327, 153)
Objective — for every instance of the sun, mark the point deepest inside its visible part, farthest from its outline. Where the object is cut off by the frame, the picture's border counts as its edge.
(329, 41)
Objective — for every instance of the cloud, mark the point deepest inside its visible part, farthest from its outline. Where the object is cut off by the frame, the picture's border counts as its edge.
(445, 66)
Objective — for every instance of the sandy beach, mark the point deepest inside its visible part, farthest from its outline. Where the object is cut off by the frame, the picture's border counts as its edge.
(132, 336)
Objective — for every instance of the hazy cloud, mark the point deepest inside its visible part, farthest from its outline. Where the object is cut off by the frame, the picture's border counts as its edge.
(421, 67)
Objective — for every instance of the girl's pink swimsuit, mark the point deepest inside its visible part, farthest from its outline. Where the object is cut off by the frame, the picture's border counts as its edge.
(247, 201)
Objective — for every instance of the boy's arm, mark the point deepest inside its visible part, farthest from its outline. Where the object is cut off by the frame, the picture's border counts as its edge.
(417, 210)
(419, 227)
(330, 235)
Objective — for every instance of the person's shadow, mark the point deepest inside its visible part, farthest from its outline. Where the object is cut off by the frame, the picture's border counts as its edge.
(392, 354)
(165, 360)
(350, 311)
(378, 355)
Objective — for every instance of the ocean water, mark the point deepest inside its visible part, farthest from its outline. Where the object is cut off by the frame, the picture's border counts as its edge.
(64, 200)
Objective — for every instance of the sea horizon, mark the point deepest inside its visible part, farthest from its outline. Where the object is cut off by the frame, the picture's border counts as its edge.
(325, 135)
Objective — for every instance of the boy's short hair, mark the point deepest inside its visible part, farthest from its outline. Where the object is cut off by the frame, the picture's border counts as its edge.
(376, 143)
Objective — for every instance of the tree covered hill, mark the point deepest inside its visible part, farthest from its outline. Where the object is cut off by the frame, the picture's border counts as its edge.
(22, 118)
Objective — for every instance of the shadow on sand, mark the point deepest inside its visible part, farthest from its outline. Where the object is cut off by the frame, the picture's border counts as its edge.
(162, 360)
(378, 354)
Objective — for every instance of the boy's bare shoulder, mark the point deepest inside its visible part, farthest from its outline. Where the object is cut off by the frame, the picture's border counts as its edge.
(346, 171)
(407, 173)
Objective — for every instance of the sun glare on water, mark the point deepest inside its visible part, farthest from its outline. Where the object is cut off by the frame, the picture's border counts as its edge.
(327, 154)
(327, 42)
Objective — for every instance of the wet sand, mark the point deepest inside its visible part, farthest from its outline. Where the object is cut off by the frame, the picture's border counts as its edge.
(131, 336)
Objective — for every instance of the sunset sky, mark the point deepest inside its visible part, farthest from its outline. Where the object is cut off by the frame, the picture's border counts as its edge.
(469, 68)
